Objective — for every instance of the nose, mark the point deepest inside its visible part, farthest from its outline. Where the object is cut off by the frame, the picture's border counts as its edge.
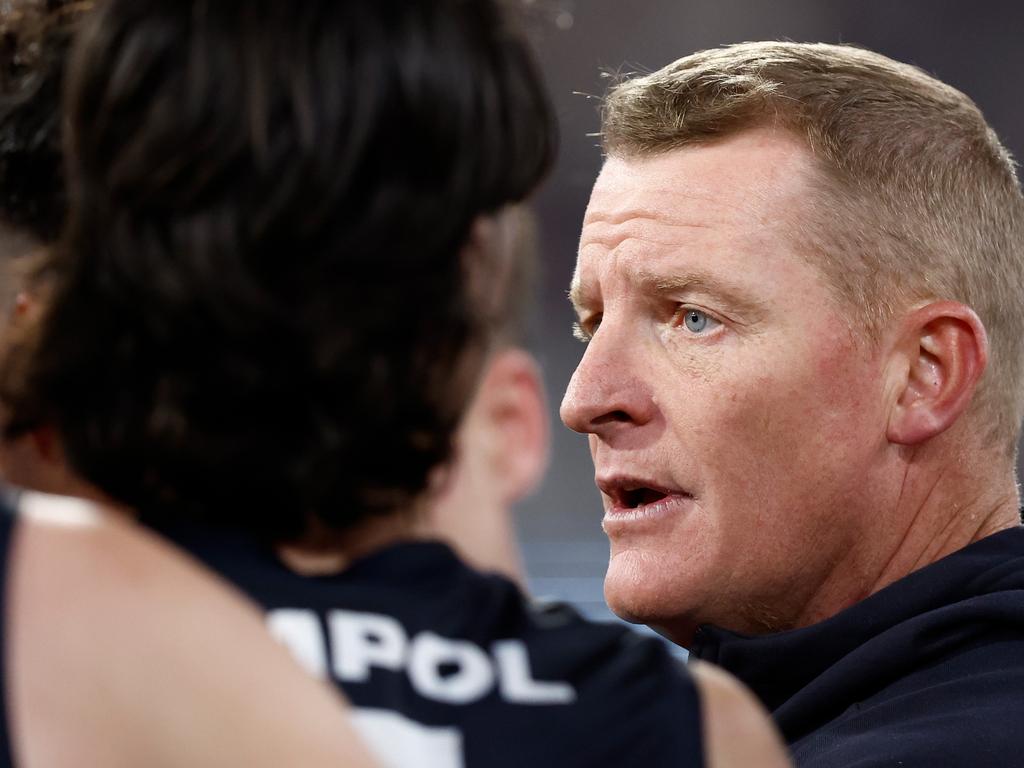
(607, 392)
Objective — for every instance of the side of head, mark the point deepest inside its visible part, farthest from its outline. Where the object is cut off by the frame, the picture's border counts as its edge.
(35, 42)
(798, 277)
(267, 310)
(35, 37)
(915, 198)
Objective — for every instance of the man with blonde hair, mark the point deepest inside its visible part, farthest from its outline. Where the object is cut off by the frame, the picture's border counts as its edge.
(800, 280)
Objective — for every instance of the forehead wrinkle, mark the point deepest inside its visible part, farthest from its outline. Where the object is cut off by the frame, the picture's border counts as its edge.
(617, 248)
(627, 234)
(672, 202)
(617, 236)
(638, 215)
(632, 250)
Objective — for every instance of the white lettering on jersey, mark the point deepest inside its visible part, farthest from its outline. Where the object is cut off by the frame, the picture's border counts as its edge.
(300, 632)
(363, 640)
(470, 679)
(397, 742)
(516, 681)
(439, 668)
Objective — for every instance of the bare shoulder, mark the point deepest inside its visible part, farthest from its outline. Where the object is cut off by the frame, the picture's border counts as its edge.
(79, 565)
(737, 730)
(125, 647)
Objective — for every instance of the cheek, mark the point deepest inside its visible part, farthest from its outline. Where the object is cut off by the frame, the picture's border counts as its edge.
(845, 398)
(789, 428)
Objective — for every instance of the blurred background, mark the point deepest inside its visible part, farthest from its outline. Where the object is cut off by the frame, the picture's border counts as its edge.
(977, 47)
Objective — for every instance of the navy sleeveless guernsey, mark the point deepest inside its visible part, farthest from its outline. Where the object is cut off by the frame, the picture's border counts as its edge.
(446, 666)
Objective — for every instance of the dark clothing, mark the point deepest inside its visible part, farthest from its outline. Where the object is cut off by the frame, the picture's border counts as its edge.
(7, 522)
(447, 666)
(927, 672)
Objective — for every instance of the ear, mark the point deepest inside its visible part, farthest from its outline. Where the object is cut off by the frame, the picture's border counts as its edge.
(942, 352)
(511, 411)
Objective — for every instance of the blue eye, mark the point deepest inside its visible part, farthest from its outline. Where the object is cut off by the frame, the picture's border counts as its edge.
(696, 321)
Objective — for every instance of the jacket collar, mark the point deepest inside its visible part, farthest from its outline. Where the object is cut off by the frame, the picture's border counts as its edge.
(805, 675)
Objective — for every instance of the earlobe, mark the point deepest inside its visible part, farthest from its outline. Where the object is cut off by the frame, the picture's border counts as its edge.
(943, 351)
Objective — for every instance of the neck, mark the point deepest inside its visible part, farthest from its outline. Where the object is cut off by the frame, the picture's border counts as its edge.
(940, 502)
(941, 519)
(322, 551)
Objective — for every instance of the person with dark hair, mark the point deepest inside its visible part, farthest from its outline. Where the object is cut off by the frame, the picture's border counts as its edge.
(284, 281)
(34, 41)
(106, 657)
(35, 38)
(799, 281)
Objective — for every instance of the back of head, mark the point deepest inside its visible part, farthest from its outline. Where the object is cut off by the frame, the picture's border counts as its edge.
(265, 313)
(35, 36)
(917, 199)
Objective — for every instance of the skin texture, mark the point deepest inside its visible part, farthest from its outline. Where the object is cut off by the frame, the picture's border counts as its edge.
(112, 660)
(805, 466)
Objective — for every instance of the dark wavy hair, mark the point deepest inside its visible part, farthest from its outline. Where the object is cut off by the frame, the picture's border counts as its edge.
(262, 315)
(35, 37)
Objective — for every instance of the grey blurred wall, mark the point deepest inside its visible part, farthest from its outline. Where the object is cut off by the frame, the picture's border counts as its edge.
(975, 46)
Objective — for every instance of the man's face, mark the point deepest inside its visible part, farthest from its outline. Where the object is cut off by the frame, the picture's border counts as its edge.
(736, 422)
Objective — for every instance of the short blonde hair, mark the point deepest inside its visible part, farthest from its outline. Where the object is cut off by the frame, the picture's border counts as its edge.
(918, 197)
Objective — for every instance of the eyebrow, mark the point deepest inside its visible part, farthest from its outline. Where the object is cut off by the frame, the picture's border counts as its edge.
(692, 281)
(734, 295)
(576, 293)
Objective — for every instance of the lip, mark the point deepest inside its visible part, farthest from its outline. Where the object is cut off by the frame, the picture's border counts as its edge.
(623, 515)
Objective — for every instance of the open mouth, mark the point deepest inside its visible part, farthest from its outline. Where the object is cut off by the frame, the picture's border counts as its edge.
(639, 497)
(632, 494)
(635, 505)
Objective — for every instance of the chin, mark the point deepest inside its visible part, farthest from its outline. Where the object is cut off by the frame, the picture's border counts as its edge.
(637, 590)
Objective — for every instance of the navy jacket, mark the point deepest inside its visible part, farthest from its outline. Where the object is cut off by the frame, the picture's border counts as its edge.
(926, 672)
